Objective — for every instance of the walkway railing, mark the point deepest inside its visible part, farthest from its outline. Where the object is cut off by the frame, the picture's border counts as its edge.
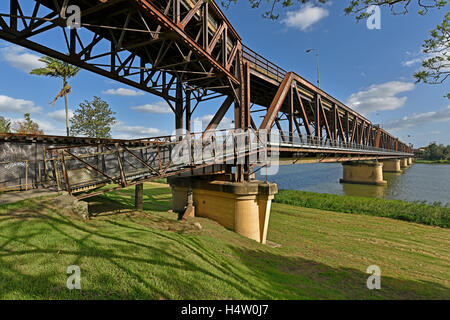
(263, 65)
(313, 142)
(87, 167)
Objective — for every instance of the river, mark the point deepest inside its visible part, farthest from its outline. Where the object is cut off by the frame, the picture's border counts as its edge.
(421, 182)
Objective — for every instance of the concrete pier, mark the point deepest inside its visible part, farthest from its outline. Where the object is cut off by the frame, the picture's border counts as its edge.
(363, 173)
(241, 207)
(410, 161)
(392, 166)
(404, 163)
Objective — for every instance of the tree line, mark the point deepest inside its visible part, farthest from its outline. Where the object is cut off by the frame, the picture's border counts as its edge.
(436, 152)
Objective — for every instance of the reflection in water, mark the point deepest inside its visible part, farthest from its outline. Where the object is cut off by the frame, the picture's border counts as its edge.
(359, 190)
(421, 182)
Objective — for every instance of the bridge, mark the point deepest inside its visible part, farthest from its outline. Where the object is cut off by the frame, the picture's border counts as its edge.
(187, 53)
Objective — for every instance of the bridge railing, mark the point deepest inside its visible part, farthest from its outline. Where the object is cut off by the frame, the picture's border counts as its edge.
(86, 167)
(262, 64)
(308, 141)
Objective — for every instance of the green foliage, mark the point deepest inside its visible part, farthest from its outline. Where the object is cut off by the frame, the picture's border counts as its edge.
(436, 68)
(27, 126)
(93, 119)
(434, 215)
(436, 152)
(397, 7)
(5, 125)
(58, 69)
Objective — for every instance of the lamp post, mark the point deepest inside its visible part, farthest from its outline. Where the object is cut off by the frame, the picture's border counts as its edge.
(317, 63)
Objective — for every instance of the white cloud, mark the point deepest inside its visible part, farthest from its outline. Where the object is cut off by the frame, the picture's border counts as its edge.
(158, 108)
(442, 115)
(60, 115)
(200, 123)
(380, 97)
(123, 131)
(20, 58)
(409, 63)
(8, 104)
(49, 127)
(124, 92)
(305, 17)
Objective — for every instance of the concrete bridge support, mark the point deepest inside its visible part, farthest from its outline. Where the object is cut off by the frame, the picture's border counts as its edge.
(243, 207)
(410, 161)
(363, 173)
(392, 166)
(404, 163)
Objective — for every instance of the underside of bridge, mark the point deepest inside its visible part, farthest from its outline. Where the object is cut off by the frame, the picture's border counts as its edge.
(186, 52)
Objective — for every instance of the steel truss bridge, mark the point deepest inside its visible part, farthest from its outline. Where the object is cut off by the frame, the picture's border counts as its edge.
(186, 52)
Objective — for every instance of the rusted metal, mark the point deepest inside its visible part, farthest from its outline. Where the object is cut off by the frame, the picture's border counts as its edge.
(185, 53)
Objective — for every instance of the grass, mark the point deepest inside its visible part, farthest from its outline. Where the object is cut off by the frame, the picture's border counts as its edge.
(432, 161)
(419, 212)
(125, 254)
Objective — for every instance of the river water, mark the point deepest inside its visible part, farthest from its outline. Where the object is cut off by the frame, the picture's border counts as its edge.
(421, 182)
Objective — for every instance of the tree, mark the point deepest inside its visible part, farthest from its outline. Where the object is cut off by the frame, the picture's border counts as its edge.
(5, 125)
(93, 119)
(58, 69)
(436, 64)
(437, 152)
(437, 67)
(27, 126)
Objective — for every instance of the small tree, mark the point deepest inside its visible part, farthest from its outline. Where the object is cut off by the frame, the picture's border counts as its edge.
(93, 119)
(5, 125)
(62, 70)
(27, 126)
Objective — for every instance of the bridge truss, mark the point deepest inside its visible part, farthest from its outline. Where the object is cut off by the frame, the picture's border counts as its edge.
(187, 52)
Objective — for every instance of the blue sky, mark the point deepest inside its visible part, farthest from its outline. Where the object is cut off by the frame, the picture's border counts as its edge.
(370, 70)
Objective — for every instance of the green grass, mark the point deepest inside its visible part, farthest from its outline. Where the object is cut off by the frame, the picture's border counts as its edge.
(432, 161)
(419, 212)
(124, 254)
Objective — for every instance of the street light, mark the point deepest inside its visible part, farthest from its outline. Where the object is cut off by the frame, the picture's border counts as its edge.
(317, 62)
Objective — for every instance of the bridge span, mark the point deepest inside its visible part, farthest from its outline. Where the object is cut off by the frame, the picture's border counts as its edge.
(187, 53)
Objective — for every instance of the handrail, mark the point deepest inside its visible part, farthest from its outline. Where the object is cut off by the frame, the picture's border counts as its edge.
(260, 62)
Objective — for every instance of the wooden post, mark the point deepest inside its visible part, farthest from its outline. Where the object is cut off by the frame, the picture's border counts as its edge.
(119, 161)
(138, 196)
(26, 175)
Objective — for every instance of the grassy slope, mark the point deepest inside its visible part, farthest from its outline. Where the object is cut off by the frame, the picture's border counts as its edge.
(149, 255)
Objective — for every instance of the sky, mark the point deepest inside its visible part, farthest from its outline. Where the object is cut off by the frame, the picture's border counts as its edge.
(370, 70)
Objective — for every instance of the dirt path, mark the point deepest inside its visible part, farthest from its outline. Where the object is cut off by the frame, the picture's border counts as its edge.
(11, 197)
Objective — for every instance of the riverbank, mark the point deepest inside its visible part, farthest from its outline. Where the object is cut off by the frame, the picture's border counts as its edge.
(127, 254)
(419, 212)
(432, 161)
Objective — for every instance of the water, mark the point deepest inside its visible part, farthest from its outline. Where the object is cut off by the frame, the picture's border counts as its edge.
(421, 182)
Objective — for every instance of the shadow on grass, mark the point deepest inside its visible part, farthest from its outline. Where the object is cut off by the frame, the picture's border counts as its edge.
(155, 199)
(148, 255)
(282, 277)
(123, 260)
